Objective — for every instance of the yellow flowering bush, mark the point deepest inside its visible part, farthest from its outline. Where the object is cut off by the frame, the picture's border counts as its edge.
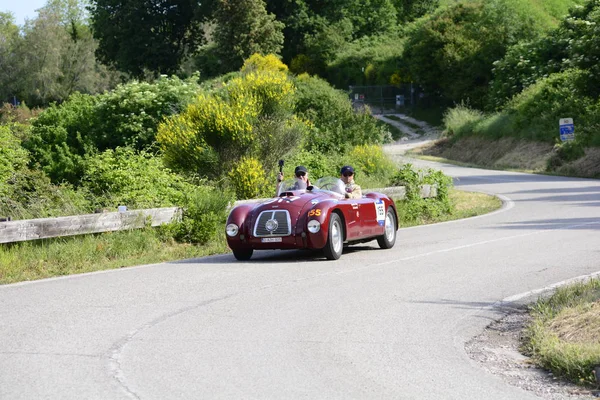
(249, 115)
(371, 160)
(258, 62)
(272, 90)
(248, 178)
(208, 129)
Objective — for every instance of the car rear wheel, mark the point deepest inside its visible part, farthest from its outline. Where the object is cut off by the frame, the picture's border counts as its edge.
(335, 240)
(243, 254)
(387, 240)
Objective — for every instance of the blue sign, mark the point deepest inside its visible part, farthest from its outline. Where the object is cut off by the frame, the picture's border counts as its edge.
(567, 129)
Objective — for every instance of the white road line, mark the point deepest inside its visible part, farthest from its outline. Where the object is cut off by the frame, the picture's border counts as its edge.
(485, 242)
(520, 296)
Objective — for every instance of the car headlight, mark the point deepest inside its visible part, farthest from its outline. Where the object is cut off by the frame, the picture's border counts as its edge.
(314, 226)
(232, 230)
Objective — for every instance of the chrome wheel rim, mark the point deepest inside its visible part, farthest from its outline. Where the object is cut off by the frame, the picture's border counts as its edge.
(336, 236)
(389, 227)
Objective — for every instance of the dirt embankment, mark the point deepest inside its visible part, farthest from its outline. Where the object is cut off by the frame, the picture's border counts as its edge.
(511, 153)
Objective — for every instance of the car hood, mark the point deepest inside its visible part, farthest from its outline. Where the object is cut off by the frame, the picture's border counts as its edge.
(293, 202)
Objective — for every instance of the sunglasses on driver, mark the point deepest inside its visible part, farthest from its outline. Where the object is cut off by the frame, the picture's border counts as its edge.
(346, 174)
(300, 174)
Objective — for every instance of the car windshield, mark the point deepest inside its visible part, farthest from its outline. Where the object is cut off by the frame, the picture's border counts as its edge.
(325, 184)
(330, 184)
(291, 184)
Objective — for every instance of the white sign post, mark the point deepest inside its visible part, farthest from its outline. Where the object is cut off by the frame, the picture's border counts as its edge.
(567, 129)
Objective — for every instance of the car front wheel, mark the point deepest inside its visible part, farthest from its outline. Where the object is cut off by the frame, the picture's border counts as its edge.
(387, 240)
(243, 254)
(335, 240)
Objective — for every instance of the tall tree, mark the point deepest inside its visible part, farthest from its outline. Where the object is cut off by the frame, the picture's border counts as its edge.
(56, 55)
(244, 27)
(371, 17)
(155, 35)
(9, 39)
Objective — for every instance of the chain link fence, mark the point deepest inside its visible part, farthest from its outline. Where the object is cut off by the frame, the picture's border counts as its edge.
(385, 99)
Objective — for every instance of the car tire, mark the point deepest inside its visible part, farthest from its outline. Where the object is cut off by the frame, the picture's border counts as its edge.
(388, 239)
(243, 254)
(335, 238)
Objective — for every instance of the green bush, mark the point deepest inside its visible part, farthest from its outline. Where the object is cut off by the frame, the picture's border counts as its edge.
(565, 152)
(135, 179)
(12, 157)
(414, 206)
(60, 137)
(538, 108)
(63, 135)
(318, 164)
(461, 120)
(204, 214)
(130, 114)
(32, 195)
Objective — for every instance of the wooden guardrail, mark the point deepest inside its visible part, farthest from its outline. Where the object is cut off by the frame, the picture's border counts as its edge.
(44, 228)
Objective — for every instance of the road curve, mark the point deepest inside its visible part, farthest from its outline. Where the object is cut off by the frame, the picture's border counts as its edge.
(374, 324)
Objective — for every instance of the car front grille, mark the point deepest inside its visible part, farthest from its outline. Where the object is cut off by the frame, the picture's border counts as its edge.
(283, 223)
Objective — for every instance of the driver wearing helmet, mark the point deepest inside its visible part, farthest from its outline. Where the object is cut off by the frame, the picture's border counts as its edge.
(353, 191)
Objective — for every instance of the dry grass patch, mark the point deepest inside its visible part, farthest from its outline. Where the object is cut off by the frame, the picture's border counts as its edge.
(470, 204)
(505, 153)
(587, 166)
(578, 325)
(564, 333)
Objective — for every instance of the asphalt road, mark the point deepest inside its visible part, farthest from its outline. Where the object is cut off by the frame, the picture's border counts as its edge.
(287, 325)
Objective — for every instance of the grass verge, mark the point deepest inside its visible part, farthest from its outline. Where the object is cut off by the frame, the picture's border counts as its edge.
(465, 205)
(564, 334)
(47, 258)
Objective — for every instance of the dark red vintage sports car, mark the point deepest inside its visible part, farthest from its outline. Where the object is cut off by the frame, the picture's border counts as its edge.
(319, 217)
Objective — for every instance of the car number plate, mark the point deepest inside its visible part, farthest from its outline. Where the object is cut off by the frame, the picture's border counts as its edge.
(271, 239)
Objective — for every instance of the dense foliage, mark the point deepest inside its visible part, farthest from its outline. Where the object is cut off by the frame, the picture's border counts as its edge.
(63, 135)
(451, 52)
(137, 36)
(244, 28)
(574, 44)
(336, 127)
(541, 81)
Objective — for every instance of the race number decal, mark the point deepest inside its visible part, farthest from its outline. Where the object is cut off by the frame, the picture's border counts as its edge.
(282, 199)
(380, 211)
(314, 212)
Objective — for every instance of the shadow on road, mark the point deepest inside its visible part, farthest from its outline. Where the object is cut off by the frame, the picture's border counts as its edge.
(272, 256)
(498, 306)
